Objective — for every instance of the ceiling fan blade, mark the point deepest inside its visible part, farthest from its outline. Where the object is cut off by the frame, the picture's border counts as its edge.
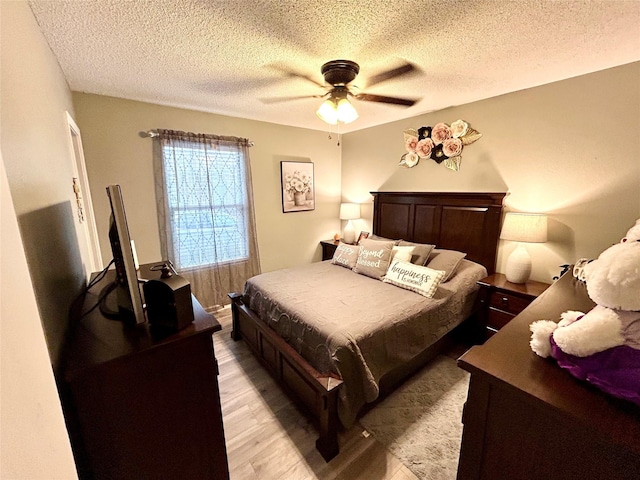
(288, 99)
(293, 74)
(367, 97)
(389, 74)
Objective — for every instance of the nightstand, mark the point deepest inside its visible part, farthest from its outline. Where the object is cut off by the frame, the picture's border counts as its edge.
(328, 248)
(502, 300)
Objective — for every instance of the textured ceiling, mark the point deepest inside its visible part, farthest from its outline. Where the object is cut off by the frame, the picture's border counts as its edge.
(226, 57)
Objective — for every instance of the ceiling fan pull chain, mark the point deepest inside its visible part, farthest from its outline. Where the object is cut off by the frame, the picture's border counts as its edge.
(337, 132)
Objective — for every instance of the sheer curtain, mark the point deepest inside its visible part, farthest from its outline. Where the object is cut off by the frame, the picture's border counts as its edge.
(205, 211)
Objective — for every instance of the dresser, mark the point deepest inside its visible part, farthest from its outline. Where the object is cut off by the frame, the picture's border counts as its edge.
(526, 418)
(143, 404)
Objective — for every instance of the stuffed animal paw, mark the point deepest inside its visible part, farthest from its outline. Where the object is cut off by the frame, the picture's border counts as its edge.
(568, 317)
(541, 332)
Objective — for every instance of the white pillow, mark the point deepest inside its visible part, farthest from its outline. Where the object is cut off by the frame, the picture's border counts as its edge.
(403, 253)
(419, 279)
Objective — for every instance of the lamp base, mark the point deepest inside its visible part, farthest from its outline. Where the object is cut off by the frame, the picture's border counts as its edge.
(518, 267)
(349, 233)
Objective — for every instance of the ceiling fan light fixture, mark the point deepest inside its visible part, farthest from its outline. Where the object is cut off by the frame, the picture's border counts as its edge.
(328, 111)
(346, 112)
(337, 108)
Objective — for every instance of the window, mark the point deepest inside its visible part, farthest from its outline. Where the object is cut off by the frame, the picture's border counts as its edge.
(207, 203)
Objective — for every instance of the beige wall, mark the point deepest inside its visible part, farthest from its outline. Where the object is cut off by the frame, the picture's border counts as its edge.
(38, 159)
(33, 438)
(33, 99)
(570, 149)
(551, 148)
(115, 153)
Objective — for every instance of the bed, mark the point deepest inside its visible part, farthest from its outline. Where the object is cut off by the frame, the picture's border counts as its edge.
(337, 340)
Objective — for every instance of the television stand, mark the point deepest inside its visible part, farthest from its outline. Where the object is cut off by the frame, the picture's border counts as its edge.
(140, 405)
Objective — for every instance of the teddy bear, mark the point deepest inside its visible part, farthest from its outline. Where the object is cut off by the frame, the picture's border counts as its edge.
(633, 234)
(602, 346)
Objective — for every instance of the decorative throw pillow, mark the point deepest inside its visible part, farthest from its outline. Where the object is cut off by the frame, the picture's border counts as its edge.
(447, 260)
(379, 238)
(421, 251)
(373, 258)
(419, 279)
(345, 255)
(403, 253)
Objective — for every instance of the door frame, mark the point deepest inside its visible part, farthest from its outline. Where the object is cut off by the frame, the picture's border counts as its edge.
(84, 206)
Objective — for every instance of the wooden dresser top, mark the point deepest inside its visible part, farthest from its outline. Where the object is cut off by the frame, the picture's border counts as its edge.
(507, 360)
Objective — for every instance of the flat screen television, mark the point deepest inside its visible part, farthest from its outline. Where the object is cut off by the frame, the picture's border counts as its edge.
(130, 306)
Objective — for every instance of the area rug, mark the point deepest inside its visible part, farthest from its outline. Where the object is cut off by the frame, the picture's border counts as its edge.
(421, 421)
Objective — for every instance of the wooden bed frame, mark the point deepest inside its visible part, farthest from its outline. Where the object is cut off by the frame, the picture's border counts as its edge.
(467, 222)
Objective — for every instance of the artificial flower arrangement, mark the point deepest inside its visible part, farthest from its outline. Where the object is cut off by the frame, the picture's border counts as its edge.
(442, 143)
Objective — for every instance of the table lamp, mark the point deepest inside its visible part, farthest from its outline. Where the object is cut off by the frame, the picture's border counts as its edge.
(525, 228)
(349, 211)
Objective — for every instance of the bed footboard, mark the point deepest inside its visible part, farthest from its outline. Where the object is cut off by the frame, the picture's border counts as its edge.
(316, 392)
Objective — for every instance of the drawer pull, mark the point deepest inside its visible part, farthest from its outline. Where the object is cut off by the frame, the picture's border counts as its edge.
(505, 300)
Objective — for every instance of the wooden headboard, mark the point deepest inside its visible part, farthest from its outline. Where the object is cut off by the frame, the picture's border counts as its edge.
(467, 222)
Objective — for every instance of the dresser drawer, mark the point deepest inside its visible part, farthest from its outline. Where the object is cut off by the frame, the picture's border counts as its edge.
(507, 302)
(496, 319)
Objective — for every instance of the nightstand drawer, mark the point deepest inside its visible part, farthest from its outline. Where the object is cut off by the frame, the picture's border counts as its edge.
(496, 319)
(508, 303)
(502, 300)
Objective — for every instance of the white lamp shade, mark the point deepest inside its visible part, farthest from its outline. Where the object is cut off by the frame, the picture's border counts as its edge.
(337, 109)
(328, 112)
(346, 112)
(349, 211)
(524, 227)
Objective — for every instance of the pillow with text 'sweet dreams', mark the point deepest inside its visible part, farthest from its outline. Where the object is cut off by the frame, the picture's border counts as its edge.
(373, 258)
(419, 279)
(345, 255)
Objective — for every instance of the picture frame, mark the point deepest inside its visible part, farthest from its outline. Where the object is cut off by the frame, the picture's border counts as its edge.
(362, 236)
(297, 186)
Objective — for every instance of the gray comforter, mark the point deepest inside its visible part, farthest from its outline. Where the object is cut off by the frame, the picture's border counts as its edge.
(355, 326)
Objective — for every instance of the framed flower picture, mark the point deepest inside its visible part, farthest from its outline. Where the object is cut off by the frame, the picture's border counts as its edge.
(297, 186)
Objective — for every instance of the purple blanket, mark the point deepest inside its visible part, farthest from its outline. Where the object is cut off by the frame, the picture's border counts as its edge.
(615, 371)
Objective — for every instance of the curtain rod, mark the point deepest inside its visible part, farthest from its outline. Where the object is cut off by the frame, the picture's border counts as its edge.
(149, 134)
(153, 134)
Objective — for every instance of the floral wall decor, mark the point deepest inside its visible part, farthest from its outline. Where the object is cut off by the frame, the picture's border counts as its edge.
(441, 143)
(297, 186)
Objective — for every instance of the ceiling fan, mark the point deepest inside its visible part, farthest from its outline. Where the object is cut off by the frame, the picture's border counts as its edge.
(338, 75)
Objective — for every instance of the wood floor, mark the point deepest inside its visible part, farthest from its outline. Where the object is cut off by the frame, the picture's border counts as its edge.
(268, 438)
